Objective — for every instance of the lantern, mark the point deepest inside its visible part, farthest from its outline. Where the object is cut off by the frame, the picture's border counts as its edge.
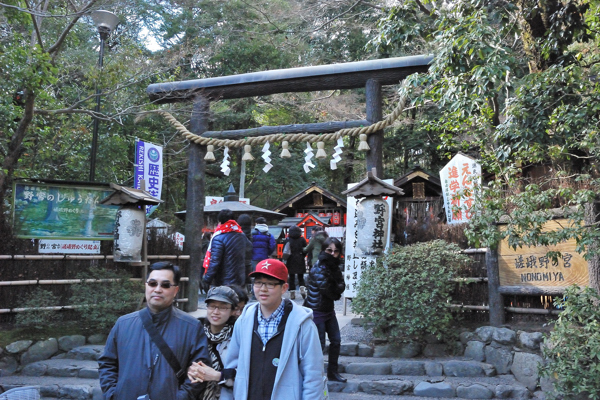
(130, 222)
(372, 225)
(129, 234)
(372, 213)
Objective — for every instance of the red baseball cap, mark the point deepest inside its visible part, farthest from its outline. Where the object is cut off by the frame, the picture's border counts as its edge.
(272, 267)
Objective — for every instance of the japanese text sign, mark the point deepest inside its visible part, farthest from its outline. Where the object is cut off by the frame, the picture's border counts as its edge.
(365, 237)
(460, 178)
(530, 266)
(62, 212)
(69, 246)
(149, 167)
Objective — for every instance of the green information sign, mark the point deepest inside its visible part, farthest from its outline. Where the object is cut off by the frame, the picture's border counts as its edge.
(62, 212)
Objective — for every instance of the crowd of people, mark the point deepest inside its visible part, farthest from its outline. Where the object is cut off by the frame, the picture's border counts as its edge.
(271, 348)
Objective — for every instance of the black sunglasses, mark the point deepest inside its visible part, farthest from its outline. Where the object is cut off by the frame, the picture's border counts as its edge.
(163, 284)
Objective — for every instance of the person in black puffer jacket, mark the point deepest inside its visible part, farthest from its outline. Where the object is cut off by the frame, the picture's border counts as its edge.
(227, 255)
(325, 285)
(295, 263)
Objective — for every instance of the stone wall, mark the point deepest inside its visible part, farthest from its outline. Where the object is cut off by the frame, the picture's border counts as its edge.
(15, 356)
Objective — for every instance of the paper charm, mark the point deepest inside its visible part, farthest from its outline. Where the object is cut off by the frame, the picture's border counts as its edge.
(307, 160)
(265, 156)
(336, 158)
(225, 164)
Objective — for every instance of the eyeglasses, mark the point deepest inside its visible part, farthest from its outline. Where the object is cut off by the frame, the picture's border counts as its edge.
(163, 284)
(330, 251)
(269, 285)
(212, 307)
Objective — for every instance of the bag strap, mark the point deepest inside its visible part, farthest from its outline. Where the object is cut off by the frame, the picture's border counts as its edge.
(164, 348)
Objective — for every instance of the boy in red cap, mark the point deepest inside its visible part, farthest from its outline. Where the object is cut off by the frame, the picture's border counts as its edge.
(275, 346)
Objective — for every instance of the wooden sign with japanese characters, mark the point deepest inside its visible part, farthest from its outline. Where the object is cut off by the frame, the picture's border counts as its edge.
(367, 236)
(530, 266)
(460, 178)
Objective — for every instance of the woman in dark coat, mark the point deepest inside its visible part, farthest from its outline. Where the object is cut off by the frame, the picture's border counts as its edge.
(295, 263)
(325, 285)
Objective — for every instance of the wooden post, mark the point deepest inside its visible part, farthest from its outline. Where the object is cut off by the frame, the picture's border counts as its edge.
(194, 219)
(375, 140)
(495, 298)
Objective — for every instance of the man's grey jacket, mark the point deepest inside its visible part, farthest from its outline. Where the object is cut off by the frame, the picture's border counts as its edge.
(132, 365)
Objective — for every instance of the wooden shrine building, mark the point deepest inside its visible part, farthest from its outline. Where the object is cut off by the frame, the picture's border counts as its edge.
(422, 201)
(314, 206)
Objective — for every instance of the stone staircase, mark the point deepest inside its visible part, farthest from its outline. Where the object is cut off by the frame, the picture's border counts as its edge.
(71, 375)
(74, 375)
(425, 378)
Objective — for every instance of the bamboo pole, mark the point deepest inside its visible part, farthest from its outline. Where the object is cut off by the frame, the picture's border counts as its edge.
(516, 310)
(69, 281)
(475, 251)
(55, 308)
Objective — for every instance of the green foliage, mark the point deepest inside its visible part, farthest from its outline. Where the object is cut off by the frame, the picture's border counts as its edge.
(572, 351)
(102, 303)
(406, 294)
(38, 319)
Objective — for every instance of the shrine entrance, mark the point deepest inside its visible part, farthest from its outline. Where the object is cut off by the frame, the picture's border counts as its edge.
(371, 75)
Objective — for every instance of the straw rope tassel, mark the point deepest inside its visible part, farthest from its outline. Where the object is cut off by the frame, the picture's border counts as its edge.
(321, 150)
(285, 153)
(247, 153)
(210, 156)
(363, 146)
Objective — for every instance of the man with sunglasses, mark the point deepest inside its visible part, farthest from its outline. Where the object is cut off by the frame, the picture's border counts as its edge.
(275, 348)
(133, 366)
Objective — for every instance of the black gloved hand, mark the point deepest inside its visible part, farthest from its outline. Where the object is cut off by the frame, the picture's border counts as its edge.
(204, 286)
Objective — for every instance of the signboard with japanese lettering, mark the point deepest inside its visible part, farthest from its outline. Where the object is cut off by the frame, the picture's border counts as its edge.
(530, 266)
(368, 228)
(149, 167)
(459, 178)
(211, 200)
(62, 212)
(69, 246)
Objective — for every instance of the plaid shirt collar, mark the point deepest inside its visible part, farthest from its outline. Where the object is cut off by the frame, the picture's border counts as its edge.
(267, 327)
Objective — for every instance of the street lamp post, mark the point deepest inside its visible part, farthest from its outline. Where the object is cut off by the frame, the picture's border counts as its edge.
(106, 22)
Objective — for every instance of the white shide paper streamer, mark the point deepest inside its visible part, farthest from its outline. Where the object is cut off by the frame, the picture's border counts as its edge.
(225, 164)
(336, 158)
(307, 160)
(265, 156)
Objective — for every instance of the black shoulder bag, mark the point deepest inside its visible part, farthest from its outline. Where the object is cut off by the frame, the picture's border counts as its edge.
(164, 348)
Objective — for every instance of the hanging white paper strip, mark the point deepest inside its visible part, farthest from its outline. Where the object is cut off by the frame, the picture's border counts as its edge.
(265, 156)
(225, 164)
(307, 160)
(336, 158)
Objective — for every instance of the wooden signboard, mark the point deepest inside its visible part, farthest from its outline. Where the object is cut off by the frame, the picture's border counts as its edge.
(530, 267)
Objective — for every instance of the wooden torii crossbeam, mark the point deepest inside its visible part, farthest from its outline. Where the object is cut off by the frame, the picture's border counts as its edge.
(369, 74)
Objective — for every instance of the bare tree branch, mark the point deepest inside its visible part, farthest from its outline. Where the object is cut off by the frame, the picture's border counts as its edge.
(56, 46)
(352, 7)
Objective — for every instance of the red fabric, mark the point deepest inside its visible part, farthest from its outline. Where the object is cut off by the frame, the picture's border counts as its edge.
(226, 227)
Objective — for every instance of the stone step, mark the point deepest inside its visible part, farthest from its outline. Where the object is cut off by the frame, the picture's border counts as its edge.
(500, 387)
(62, 368)
(452, 367)
(52, 387)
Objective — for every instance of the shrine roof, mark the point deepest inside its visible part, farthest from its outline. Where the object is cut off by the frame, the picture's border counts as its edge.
(340, 201)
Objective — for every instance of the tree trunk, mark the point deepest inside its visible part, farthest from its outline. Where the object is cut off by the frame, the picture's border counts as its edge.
(534, 25)
(591, 217)
(15, 148)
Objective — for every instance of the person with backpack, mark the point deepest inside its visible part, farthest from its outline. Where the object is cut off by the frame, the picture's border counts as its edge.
(263, 243)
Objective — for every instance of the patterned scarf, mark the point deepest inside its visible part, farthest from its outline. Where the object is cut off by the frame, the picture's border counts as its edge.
(213, 390)
(229, 226)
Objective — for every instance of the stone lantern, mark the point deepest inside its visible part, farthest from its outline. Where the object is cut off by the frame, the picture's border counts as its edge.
(372, 213)
(130, 222)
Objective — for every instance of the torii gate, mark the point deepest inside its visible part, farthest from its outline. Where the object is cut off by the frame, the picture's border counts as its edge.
(369, 74)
